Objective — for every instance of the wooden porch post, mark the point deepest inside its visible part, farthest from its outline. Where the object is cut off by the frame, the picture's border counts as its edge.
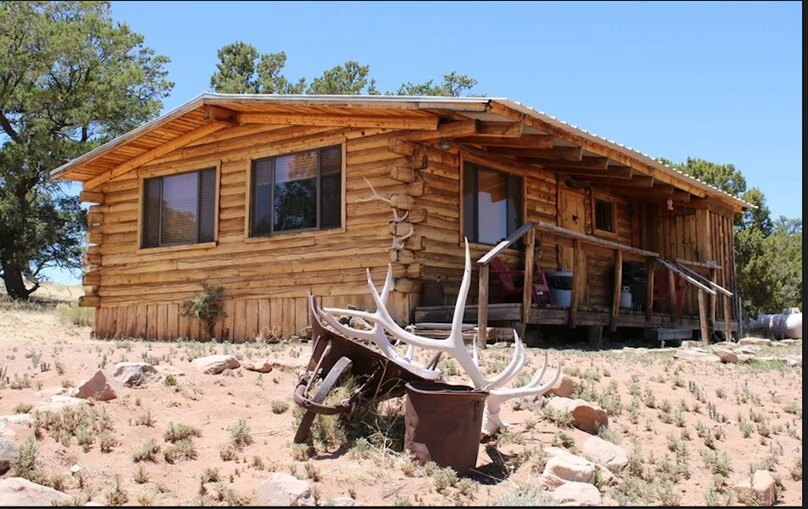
(650, 267)
(705, 332)
(712, 301)
(727, 319)
(527, 293)
(618, 288)
(672, 291)
(577, 259)
(482, 308)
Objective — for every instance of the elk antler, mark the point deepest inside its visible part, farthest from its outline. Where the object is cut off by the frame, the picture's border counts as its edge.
(453, 345)
(377, 335)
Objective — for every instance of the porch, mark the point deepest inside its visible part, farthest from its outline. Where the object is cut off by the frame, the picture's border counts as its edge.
(667, 323)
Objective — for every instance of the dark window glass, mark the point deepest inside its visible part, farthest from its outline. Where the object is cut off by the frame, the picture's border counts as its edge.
(262, 197)
(492, 204)
(299, 191)
(604, 216)
(179, 209)
(151, 213)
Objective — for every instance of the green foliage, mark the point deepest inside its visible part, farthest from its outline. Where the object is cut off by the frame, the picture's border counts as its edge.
(71, 79)
(73, 314)
(207, 307)
(242, 69)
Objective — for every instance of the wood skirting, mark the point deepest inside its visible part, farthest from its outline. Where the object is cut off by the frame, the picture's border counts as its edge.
(245, 318)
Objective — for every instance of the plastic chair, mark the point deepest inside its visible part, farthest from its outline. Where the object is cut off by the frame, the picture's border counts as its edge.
(662, 290)
(511, 289)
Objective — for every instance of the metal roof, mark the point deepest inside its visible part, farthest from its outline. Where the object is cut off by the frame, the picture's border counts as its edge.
(457, 104)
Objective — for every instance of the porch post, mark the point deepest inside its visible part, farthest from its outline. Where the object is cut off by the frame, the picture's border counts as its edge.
(527, 292)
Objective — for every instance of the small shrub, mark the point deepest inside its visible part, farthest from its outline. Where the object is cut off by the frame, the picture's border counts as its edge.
(561, 439)
(72, 314)
(312, 472)
(227, 453)
(240, 434)
(23, 408)
(560, 419)
(177, 432)
(609, 434)
(140, 476)
(207, 307)
(444, 478)
(279, 406)
(170, 380)
(145, 418)
(27, 459)
(147, 498)
(796, 470)
(147, 451)
(107, 441)
(180, 450)
(117, 495)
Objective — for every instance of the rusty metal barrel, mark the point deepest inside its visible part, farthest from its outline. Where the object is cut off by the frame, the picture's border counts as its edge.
(443, 424)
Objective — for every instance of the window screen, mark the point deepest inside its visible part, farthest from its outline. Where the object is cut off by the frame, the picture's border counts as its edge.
(492, 204)
(301, 191)
(179, 209)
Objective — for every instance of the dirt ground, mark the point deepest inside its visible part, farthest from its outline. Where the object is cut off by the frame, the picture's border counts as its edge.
(723, 399)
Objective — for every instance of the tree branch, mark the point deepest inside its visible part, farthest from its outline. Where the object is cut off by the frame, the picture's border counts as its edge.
(9, 129)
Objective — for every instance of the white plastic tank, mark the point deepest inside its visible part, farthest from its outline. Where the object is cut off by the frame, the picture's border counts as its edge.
(560, 283)
(787, 324)
(625, 297)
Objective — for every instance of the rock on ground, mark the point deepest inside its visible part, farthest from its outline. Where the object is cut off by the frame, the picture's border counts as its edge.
(762, 484)
(606, 453)
(17, 491)
(726, 355)
(344, 502)
(563, 388)
(135, 374)
(8, 453)
(4, 431)
(215, 364)
(283, 490)
(586, 416)
(16, 418)
(260, 365)
(57, 403)
(96, 387)
(755, 341)
(696, 354)
(577, 493)
(568, 468)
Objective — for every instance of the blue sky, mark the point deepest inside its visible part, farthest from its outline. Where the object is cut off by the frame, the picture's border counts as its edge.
(721, 81)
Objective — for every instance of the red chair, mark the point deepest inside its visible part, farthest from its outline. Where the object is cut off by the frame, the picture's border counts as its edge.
(662, 289)
(509, 287)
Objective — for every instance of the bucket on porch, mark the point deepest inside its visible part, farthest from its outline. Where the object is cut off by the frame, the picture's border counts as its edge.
(560, 283)
(443, 424)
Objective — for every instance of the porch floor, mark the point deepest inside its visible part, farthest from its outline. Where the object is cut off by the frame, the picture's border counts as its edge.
(556, 315)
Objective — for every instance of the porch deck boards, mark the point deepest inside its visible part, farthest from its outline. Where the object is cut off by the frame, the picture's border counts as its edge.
(512, 312)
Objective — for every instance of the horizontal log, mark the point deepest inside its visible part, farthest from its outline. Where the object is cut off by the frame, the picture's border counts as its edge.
(503, 129)
(420, 122)
(87, 301)
(524, 141)
(91, 197)
(220, 114)
(445, 130)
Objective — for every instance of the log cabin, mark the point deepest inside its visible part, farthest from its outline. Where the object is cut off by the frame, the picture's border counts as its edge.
(273, 197)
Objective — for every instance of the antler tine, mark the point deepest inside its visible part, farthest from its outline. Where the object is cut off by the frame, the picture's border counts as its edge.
(376, 196)
(378, 337)
(516, 364)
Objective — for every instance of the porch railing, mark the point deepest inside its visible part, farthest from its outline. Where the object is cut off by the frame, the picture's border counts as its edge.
(577, 240)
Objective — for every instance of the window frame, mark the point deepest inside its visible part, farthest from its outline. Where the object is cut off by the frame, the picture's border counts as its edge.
(250, 196)
(215, 165)
(497, 168)
(596, 197)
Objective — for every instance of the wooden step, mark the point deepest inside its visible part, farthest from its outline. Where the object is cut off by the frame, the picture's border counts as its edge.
(442, 330)
(667, 334)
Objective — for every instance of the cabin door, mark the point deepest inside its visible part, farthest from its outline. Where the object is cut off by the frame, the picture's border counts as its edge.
(572, 216)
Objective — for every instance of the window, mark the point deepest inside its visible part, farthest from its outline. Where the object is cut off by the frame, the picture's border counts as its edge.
(179, 209)
(301, 191)
(492, 204)
(604, 216)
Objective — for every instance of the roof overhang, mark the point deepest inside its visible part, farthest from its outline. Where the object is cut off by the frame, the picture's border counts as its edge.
(182, 122)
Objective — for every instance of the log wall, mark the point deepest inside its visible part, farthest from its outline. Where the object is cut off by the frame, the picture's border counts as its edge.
(140, 291)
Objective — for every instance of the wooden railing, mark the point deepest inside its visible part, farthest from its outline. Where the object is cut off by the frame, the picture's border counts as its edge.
(621, 251)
